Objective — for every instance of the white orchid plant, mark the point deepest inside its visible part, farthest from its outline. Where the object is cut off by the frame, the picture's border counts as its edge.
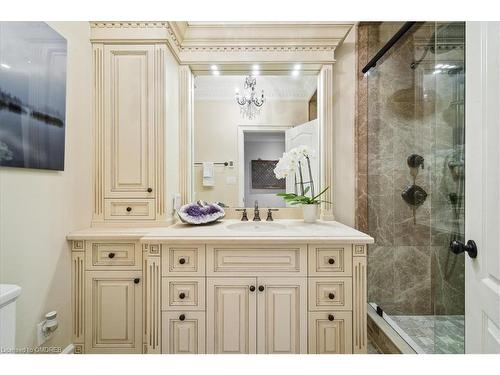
(291, 164)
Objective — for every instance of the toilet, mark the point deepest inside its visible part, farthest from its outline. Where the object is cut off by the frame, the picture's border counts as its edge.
(8, 296)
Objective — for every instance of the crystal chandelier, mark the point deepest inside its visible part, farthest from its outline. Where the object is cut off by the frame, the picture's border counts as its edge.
(250, 103)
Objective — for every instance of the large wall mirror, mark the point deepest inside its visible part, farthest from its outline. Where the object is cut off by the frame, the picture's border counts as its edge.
(236, 145)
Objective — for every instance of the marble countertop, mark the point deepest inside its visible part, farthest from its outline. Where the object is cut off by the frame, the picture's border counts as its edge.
(279, 230)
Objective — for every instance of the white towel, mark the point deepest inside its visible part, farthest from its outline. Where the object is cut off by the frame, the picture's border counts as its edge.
(208, 174)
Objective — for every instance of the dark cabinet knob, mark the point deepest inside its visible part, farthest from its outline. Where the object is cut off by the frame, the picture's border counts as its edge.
(252, 288)
(261, 288)
(129, 209)
(150, 190)
(182, 317)
(111, 255)
(331, 296)
(331, 317)
(458, 247)
(136, 281)
(182, 295)
(182, 261)
(331, 261)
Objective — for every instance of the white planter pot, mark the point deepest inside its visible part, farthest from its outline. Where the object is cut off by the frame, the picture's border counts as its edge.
(310, 212)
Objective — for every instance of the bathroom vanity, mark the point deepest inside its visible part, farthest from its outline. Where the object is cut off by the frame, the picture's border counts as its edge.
(229, 287)
(143, 285)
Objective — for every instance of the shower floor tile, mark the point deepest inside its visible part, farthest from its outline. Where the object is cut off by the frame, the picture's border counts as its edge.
(435, 334)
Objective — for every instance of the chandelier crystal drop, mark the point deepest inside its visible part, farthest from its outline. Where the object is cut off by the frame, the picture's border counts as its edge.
(250, 103)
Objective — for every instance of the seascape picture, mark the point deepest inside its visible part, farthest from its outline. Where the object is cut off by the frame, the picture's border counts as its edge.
(32, 96)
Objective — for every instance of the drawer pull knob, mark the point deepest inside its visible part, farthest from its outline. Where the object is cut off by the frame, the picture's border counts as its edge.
(331, 296)
(182, 261)
(129, 209)
(150, 190)
(252, 288)
(182, 295)
(136, 281)
(261, 288)
(331, 261)
(182, 317)
(111, 255)
(331, 317)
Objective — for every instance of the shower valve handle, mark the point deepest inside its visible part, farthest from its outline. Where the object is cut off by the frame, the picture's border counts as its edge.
(458, 247)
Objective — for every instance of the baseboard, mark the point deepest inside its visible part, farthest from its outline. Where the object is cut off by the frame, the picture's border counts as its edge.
(70, 349)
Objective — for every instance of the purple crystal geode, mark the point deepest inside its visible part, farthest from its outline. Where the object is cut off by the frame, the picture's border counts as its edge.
(200, 213)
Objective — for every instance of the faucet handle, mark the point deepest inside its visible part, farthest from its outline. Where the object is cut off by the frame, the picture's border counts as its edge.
(244, 216)
(270, 214)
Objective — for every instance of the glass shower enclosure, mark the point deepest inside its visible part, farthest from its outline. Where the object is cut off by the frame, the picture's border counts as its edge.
(415, 183)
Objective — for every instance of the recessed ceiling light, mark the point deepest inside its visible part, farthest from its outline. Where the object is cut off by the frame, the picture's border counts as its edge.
(214, 67)
(5, 66)
(295, 73)
(216, 73)
(255, 67)
(297, 67)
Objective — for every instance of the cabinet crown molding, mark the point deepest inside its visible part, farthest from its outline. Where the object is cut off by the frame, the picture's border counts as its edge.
(198, 42)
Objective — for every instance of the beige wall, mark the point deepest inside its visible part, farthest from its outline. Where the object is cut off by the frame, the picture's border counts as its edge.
(38, 208)
(344, 106)
(216, 139)
(171, 130)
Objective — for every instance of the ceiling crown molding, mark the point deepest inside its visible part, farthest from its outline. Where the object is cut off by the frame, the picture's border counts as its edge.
(226, 42)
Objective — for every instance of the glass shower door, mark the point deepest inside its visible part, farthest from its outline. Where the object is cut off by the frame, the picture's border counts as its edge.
(416, 183)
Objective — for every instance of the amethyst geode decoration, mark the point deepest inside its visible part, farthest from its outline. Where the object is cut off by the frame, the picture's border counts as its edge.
(200, 213)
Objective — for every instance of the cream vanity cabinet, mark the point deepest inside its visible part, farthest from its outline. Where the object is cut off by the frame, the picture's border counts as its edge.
(107, 296)
(156, 293)
(253, 297)
(128, 132)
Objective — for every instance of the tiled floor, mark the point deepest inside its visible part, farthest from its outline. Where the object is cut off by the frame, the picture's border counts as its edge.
(439, 334)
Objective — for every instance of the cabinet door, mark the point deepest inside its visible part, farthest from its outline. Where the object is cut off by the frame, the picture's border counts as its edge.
(231, 315)
(113, 316)
(282, 315)
(330, 332)
(183, 332)
(129, 121)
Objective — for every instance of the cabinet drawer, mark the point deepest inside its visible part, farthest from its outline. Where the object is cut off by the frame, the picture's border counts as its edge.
(129, 209)
(113, 255)
(335, 260)
(183, 333)
(227, 260)
(183, 260)
(183, 293)
(330, 332)
(333, 293)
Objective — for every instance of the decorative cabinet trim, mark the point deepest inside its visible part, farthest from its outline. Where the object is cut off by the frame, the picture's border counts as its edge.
(78, 295)
(359, 305)
(359, 250)
(185, 131)
(325, 112)
(159, 128)
(152, 303)
(77, 245)
(98, 133)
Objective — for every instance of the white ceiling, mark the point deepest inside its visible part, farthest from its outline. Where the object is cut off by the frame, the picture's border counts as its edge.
(275, 87)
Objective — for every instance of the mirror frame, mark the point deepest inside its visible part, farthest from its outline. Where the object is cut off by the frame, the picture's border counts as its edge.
(325, 119)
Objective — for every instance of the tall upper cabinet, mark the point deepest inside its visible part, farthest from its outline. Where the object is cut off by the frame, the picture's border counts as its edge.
(129, 128)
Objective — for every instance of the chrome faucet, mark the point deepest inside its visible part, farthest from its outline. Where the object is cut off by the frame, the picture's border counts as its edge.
(256, 214)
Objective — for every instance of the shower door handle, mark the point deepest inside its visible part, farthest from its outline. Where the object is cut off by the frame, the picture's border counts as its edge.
(458, 247)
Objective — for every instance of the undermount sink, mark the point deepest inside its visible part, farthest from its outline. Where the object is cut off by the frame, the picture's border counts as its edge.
(256, 226)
